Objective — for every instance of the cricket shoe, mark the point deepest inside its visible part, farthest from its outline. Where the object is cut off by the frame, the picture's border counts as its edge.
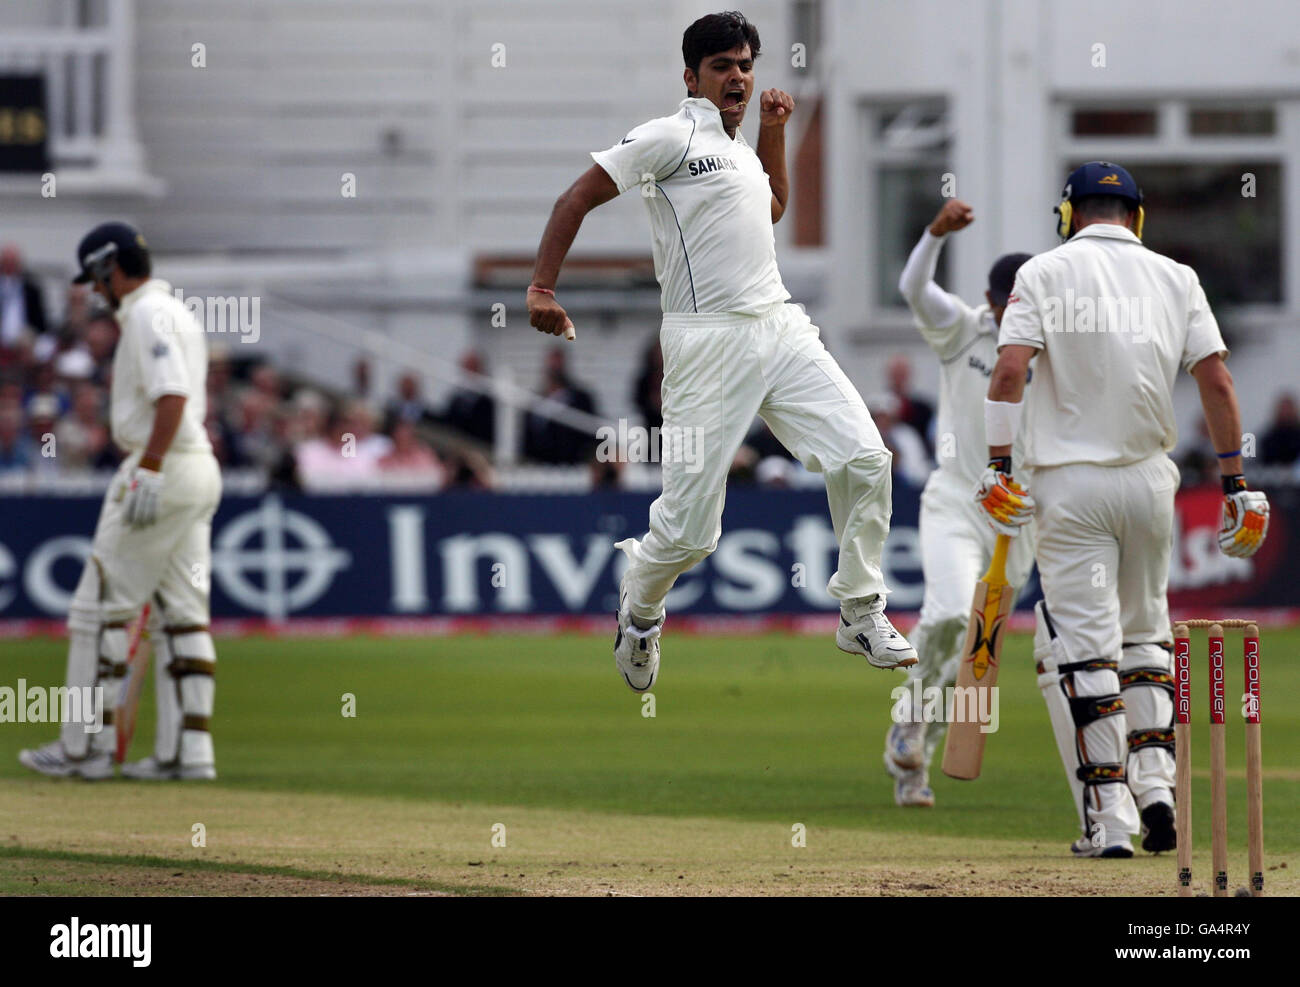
(54, 761)
(1083, 847)
(1158, 833)
(913, 791)
(151, 769)
(636, 650)
(905, 746)
(865, 630)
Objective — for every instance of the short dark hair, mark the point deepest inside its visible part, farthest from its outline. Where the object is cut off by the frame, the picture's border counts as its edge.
(1104, 206)
(134, 263)
(718, 32)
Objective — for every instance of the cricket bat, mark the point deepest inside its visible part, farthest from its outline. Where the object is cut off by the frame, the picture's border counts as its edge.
(963, 751)
(137, 666)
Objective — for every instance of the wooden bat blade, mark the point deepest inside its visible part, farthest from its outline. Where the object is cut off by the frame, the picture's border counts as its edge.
(977, 675)
(137, 665)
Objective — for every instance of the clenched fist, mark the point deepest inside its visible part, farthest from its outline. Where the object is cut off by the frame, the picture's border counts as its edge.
(774, 108)
(545, 314)
(955, 215)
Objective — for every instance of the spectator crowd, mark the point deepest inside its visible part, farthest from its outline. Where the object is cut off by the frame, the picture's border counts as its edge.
(55, 376)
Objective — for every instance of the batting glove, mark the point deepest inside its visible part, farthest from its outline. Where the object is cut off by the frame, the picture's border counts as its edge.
(142, 496)
(1245, 519)
(1006, 503)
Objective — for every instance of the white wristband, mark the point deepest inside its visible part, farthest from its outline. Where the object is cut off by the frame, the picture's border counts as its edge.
(1001, 422)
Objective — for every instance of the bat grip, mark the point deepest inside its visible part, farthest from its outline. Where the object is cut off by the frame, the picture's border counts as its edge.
(997, 571)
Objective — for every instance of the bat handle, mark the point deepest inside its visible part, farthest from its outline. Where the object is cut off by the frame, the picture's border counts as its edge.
(569, 332)
(997, 572)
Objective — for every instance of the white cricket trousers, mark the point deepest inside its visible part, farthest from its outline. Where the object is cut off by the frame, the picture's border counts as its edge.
(1105, 534)
(719, 372)
(167, 564)
(956, 546)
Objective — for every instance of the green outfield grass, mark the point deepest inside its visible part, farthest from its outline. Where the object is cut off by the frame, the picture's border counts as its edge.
(772, 729)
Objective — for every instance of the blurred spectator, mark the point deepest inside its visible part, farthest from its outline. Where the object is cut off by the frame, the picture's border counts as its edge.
(43, 412)
(73, 365)
(42, 382)
(78, 306)
(412, 461)
(775, 471)
(22, 312)
(763, 442)
(348, 458)
(15, 447)
(469, 411)
(408, 406)
(219, 375)
(358, 421)
(605, 475)
(547, 441)
(911, 460)
(469, 469)
(1198, 463)
(220, 436)
(913, 410)
(744, 466)
(82, 435)
(265, 379)
(253, 439)
(1281, 443)
(361, 379)
(100, 342)
(647, 392)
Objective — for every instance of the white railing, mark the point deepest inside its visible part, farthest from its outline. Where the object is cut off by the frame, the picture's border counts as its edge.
(89, 76)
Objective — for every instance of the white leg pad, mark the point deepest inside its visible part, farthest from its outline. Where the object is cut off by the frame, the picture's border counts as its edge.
(1087, 714)
(167, 734)
(1148, 689)
(192, 668)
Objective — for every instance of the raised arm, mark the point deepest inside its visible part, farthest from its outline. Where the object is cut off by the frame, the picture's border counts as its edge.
(775, 108)
(933, 307)
(592, 189)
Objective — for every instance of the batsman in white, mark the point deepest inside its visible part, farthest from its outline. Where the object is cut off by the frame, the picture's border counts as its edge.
(956, 539)
(152, 541)
(1109, 323)
(733, 345)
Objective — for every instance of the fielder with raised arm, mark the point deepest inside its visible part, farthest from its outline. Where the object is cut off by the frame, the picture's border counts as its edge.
(1109, 323)
(733, 345)
(956, 539)
(152, 541)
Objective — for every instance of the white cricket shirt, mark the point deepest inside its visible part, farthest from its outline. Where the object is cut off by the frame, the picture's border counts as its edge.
(1113, 321)
(162, 350)
(965, 340)
(710, 206)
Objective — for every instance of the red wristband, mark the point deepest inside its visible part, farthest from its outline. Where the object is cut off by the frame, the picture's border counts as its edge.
(544, 291)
